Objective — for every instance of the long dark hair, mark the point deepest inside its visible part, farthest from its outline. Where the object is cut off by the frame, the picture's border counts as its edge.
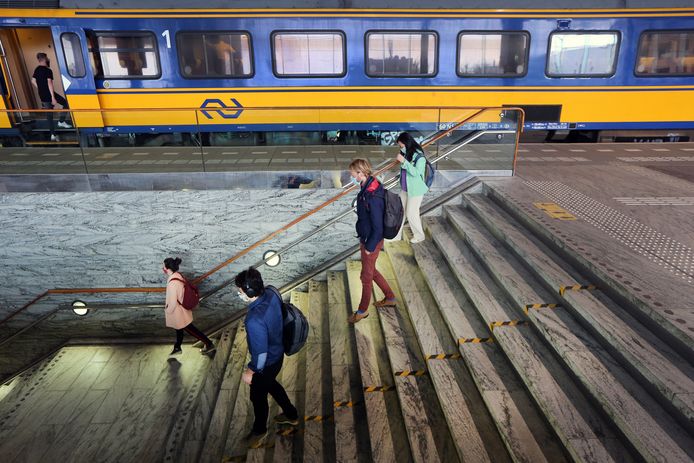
(172, 264)
(411, 145)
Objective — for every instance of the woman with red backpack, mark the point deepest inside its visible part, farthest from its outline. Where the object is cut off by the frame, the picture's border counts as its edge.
(179, 317)
(412, 183)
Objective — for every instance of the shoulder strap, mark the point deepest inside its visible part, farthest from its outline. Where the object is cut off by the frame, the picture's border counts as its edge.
(420, 154)
(185, 283)
(276, 292)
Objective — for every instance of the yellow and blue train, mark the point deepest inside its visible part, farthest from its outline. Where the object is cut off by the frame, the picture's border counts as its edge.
(572, 70)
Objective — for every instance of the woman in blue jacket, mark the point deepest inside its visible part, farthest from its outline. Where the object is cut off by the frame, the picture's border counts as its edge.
(370, 209)
(412, 185)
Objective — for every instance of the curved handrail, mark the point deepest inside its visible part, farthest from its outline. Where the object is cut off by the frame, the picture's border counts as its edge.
(268, 237)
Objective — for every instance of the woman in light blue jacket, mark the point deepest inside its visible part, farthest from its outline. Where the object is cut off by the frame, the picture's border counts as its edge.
(412, 185)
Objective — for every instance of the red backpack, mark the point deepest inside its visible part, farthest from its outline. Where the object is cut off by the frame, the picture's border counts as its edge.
(191, 297)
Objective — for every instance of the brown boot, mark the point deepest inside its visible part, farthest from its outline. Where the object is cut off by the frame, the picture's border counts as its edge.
(386, 303)
(356, 317)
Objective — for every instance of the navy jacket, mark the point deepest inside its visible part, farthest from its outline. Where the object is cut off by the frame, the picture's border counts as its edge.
(371, 204)
(264, 330)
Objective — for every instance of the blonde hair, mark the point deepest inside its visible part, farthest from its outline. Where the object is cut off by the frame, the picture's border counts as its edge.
(360, 165)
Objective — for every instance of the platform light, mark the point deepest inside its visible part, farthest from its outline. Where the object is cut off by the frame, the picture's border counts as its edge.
(271, 258)
(80, 308)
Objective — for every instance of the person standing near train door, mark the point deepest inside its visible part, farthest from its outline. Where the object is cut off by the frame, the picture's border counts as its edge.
(412, 184)
(42, 79)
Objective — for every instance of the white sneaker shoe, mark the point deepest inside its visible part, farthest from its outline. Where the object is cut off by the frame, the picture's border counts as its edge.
(64, 125)
(416, 240)
(54, 137)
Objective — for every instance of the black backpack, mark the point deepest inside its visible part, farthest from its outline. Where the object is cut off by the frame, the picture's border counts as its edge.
(295, 331)
(393, 213)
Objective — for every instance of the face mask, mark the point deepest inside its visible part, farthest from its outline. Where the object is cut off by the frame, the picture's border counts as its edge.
(403, 150)
(354, 180)
(243, 296)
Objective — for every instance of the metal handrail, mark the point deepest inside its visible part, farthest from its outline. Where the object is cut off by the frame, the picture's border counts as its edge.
(292, 223)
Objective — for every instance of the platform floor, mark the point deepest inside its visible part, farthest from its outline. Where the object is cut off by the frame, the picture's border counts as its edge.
(71, 160)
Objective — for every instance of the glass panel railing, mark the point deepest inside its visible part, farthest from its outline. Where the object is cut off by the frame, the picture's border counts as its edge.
(302, 140)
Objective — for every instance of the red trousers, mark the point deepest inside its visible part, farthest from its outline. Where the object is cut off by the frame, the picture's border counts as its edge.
(369, 274)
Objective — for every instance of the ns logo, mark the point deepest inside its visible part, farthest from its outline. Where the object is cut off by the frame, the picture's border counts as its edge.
(217, 107)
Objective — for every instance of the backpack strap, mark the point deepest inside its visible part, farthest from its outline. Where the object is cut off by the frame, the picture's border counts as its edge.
(185, 283)
(420, 154)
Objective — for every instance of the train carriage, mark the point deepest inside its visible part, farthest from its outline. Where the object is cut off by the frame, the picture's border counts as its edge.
(583, 72)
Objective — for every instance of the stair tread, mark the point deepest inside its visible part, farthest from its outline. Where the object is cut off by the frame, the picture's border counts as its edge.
(565, 407)
(382, 412)
(318, 446)
(471, 428)
(651, 430)
(653, 358)
(346, 447)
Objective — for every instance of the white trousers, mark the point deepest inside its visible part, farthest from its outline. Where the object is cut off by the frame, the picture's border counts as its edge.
(411, 205)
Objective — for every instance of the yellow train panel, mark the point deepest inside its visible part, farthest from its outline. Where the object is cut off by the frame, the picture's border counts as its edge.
(619, 105)
(86, 118)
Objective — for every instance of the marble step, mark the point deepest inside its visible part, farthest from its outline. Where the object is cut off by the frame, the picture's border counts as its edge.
(418, 398)
(293, 378)
(225, 411)
(387, 431)
(650, 430)
(581, 430)
(351, 442)
(657, 366)
(524, 432)
(470, 424)
(319, 436)
(192, 420)
(593, 251)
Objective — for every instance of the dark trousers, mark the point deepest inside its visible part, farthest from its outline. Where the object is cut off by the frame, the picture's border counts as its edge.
(369, 274)
(193, 331)
(263, 383)
(48, 105)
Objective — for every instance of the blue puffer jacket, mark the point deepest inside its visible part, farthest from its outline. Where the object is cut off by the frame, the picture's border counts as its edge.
(370, 208)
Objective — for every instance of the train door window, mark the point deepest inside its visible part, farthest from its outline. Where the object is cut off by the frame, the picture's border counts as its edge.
(72, 49)
(666, 53)
(401, 54)
(492, 54)
(303, 54)
(582, 54)
(124, 55)
(214, 54)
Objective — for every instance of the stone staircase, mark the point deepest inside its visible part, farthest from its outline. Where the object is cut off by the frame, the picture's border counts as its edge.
(483, 359)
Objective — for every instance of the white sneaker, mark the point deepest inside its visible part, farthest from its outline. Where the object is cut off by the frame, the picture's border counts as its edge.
(54, 137)
(416, 240)
(64, 125)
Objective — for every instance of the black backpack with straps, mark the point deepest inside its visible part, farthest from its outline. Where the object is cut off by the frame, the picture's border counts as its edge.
(295, 330)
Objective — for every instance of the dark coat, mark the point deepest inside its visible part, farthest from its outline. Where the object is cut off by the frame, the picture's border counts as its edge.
(370, 209)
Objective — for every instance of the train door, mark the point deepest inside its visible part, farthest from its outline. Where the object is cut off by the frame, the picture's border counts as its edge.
(72, 77)
(78, 76)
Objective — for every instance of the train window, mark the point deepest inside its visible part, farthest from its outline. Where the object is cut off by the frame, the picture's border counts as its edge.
(124, 55)
(401, 54)
(72, 49)
(666, 53)
(316, 54)
(582, 54)
(214, 54)
(497, 54)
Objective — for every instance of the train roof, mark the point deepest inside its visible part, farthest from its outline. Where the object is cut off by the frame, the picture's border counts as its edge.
(353, 4)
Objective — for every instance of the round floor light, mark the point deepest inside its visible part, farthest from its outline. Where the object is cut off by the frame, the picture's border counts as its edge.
(271, 258)
(80, 308)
